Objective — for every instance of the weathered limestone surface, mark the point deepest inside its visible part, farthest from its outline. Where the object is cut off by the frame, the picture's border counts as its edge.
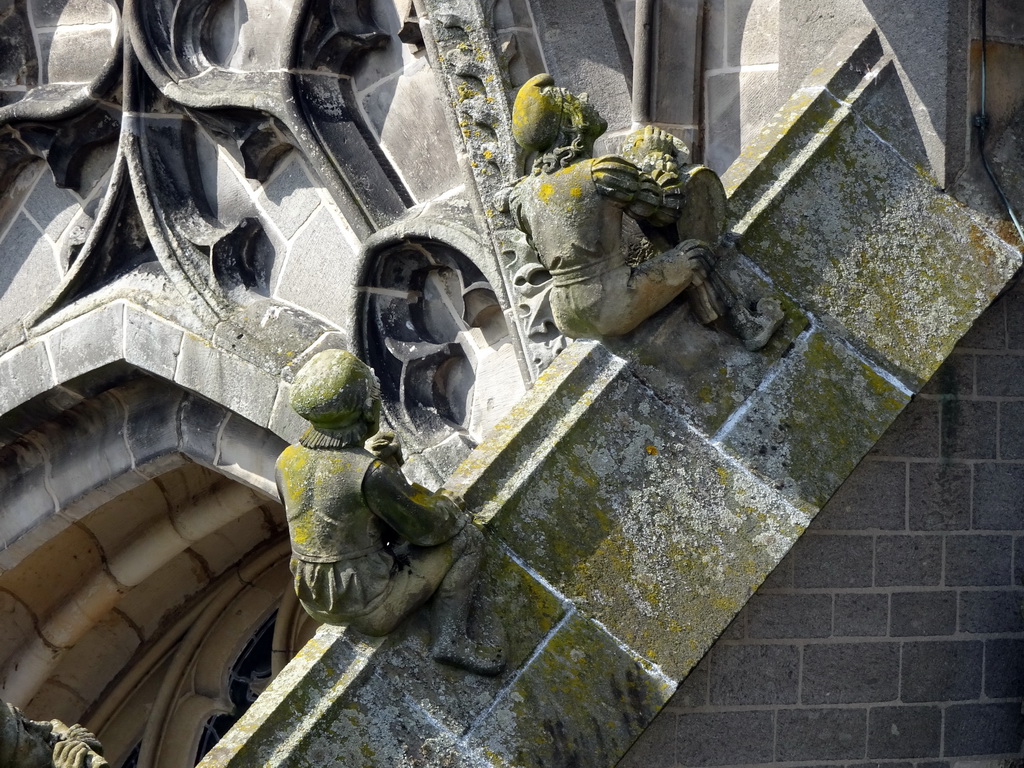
(700, 371)
(612, 560)
(934, 76)
(245, 367)
(647, 525)
(640, 493)
(370, 702)
(822, 410)
(857, 234)
(626, 529)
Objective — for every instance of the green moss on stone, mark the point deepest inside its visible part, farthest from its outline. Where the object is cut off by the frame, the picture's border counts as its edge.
(865, 242)
(821, 413)
(582, 701)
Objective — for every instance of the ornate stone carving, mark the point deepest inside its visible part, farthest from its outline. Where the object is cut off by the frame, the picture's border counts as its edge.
(27, 743)
(621, 236)
(125, 101)
(248, 95)
(464, 51)
(159, 130)
(186, 103)
(368, 547)
(441, 339)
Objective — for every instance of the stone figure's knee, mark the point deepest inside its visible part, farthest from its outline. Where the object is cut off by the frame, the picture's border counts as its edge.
(619, 323)
(469, 541)
(376, 624)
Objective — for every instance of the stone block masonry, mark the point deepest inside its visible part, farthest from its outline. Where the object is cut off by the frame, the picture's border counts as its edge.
(892, 633)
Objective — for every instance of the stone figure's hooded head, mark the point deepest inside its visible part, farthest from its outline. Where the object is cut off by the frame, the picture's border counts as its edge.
(339, 396)
(557, 124)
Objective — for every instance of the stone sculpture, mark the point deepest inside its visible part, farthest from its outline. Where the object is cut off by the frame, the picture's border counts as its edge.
(368, 547)
(27, 743)
(610, 272)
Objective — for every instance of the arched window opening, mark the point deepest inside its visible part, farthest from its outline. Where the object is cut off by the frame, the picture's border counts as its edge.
(247, 678)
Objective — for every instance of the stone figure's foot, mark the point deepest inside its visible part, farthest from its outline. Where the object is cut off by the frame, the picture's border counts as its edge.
(756, 329)
(480, 659)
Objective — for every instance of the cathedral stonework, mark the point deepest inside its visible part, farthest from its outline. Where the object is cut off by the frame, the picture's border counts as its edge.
(511, 383)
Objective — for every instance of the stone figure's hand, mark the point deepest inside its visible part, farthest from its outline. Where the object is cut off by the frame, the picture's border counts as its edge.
(58, 729)
(703, 298)
(649, 140)
(464, 516)
(454, 498)
(76, 754)
(80, 733)
(386, 447)
(661, 144)
(665, 174)
(698, 267)
(656, 152)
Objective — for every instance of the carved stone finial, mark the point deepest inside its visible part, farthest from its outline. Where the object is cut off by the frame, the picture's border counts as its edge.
(27, 743)
(368, 547)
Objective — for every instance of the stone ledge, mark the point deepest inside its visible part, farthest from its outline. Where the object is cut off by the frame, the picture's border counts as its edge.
(644, 533)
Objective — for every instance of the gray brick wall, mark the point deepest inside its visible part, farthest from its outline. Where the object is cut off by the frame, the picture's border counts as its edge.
(892, 634)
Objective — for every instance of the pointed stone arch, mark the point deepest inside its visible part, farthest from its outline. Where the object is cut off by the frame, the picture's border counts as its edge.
(137, 491)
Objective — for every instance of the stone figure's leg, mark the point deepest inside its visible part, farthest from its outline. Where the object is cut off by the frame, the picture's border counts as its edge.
(450, 619)
(409, 588)
(630, 296)
(682, 267)
(450, 571)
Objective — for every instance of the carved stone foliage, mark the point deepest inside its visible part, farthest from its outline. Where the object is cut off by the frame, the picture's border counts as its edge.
(462, 42)
(132, 104)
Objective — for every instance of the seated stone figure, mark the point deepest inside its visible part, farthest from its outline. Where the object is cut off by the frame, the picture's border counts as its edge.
(26, 743)
(368, 547)
(571, 209)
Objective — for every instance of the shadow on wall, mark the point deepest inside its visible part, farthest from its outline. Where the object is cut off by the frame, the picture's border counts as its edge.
(397, 96)
(929, 42)
(931, 48)
(749, 73)
(742, 88)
